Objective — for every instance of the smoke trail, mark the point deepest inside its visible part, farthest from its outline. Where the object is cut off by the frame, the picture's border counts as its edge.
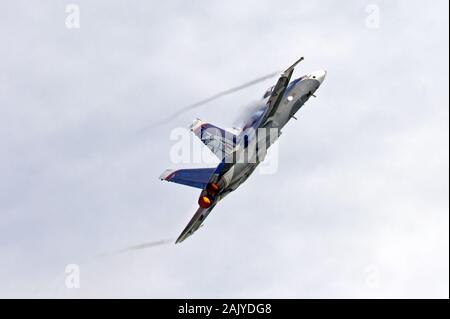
(212, 98)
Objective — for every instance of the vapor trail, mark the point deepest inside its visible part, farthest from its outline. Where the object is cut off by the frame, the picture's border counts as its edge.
(139, 247)
(213, 97)
(146, 245)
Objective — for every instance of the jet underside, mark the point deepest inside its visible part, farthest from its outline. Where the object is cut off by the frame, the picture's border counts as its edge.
(277, 108)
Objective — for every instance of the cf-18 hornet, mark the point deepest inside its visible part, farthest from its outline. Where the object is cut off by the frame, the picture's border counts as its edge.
(241, 150)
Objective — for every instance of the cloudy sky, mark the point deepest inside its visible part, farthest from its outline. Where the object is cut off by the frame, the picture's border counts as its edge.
(359, 205)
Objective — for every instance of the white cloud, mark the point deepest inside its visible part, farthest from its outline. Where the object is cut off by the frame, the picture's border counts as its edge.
(362, 188)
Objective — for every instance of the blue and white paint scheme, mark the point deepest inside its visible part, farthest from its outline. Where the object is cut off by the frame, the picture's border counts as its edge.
(279, 104)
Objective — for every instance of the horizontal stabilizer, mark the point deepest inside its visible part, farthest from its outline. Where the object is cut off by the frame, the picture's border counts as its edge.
(194, 177)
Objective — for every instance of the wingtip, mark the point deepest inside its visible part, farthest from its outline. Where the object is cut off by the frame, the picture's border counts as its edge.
(294, 65)
(165, 175)
(180, 239)
(196, 125)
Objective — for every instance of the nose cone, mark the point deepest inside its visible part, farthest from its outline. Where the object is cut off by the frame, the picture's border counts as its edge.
(319, 75)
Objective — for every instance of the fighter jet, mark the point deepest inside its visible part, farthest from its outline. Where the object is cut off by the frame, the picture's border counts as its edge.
(240, 152)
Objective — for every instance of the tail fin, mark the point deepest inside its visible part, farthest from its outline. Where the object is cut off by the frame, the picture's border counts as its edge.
(194, 177)
(219, 141)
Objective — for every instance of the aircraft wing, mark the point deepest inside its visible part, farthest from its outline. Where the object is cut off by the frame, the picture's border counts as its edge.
(195, 223)
(277, 94)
